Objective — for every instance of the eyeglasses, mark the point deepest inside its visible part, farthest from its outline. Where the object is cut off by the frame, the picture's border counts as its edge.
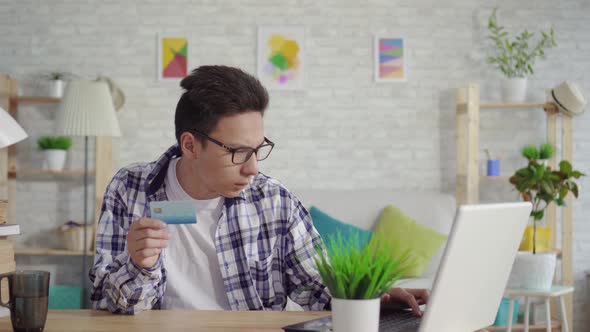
(242, 155)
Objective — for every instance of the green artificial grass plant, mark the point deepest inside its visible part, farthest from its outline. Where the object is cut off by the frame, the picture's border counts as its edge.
(353, 273)
(54, 143)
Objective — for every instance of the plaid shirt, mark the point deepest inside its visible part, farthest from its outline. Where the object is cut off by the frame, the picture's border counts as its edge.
(265, 244)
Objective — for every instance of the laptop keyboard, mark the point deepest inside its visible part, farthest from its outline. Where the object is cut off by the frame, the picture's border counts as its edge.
(398, 320)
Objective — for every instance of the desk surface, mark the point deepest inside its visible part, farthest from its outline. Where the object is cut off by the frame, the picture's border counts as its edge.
(170, 320)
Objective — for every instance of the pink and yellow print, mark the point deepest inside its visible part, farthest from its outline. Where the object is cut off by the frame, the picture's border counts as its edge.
(390, 59)
(173, 57)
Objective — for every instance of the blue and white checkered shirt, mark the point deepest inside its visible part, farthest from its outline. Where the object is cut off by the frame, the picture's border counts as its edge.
(265, 244)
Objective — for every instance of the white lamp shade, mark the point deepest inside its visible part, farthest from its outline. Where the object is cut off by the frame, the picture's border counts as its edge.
(10, 131)
(87, 110)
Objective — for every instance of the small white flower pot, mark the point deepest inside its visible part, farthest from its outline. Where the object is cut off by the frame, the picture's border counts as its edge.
(55, 160)
(514, 90)
(533, 271)
(355, 315)
(56, 88)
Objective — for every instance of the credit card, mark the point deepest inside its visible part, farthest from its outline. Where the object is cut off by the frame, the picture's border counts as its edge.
(174, 212)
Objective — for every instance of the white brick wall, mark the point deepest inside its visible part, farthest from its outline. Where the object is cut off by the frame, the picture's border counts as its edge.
(343, 131)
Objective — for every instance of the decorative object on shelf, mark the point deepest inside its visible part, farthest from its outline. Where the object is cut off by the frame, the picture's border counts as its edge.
(87, 110)
(503, 313)
(391, 59)
(72, 234)
(568, 98)
(281, 57)
(57, 82)
(493, 165)
(357, 278)
(64, 297)
(515, 57)
(55, 149)
(116, 92)
(540, 185)
(172, 58)
(9, 229)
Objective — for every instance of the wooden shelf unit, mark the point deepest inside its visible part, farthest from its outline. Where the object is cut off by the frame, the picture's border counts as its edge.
(42, 172)
(9, 173)
(49, 252)
(34, 99)
(534, 106)
(468, 177)
(555, 326)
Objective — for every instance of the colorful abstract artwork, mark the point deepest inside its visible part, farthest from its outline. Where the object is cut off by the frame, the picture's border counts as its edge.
(172, 58)
(390, 59)
(281, 57)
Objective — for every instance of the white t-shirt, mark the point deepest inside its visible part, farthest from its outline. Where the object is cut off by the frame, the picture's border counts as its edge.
(193, 277)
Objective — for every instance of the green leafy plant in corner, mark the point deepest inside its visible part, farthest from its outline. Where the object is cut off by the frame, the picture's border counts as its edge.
(54, 143)
(515, 57)
(353, 273)
(540, 185)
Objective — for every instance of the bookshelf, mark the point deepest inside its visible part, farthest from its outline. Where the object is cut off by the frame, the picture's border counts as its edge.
(10, 173)
(468, 177)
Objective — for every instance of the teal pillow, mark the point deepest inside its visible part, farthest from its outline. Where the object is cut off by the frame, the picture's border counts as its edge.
(329, 227)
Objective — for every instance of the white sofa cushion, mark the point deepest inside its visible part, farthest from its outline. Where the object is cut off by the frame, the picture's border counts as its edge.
(363, 207)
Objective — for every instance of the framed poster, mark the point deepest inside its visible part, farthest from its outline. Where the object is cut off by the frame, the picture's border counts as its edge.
(172, 58)
(391, 59)
(281, 51)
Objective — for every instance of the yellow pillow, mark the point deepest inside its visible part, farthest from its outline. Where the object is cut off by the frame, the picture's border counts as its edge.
(404, 233)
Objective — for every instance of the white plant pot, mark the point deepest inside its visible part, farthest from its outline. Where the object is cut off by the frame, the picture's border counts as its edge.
(56, 88)
(355, 315)
(514, 90)
(533, 271)
(55, 160)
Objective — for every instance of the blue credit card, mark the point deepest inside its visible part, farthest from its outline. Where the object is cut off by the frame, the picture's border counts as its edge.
(174, 212)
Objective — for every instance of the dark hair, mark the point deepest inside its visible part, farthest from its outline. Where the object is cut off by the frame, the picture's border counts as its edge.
(213, 92)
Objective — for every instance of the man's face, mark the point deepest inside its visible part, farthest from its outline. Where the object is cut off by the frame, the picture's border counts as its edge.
(212, 165)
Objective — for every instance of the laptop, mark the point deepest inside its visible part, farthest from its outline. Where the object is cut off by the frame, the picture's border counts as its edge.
(471, 278)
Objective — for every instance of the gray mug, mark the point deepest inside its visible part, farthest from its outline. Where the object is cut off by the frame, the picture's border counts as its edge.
(28, 299)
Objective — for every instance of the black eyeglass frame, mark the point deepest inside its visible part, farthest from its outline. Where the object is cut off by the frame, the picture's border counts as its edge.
(233, 151)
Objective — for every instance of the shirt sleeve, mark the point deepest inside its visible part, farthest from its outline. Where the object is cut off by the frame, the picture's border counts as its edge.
(305, 286)
(118, 284)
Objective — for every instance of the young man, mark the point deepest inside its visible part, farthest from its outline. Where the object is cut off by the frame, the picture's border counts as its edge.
(253, 245)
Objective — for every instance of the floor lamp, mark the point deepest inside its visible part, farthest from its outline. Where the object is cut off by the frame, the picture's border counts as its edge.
(87, 110)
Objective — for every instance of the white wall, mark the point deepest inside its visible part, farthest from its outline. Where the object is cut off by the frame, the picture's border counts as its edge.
(343, 130)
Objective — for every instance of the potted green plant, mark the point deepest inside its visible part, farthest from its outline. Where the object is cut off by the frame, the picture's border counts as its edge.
(357, 278)
(54, 148)
(57, 81)
(542, 186)
(515, 56)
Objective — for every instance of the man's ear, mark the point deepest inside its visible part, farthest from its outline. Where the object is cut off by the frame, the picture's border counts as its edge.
(189, 145)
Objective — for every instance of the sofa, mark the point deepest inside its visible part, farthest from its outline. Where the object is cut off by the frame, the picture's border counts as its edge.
(362, 208)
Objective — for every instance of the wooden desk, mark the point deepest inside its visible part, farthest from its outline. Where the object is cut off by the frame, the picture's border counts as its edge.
(170, 320)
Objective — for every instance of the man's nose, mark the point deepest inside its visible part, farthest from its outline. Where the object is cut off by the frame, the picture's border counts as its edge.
(250, 168)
